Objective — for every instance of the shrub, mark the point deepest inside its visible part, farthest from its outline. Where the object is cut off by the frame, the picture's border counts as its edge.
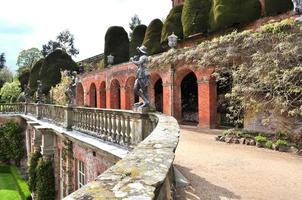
(172, 24)
(226, 13)
(153, 36)
(269, 144)
(275, 7)
(10, 91)
(280, 135)
(281, 143)
(195, 16)
(45, 186)
(116, 44)
(32, 173)
(260, 139)
(137, 39)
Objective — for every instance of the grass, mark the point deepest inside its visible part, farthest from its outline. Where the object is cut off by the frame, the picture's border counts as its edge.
(12, 185)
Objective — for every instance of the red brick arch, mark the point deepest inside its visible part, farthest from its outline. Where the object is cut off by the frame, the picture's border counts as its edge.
(102, 91)
(80, 95)
(92, 95)
(115, 94)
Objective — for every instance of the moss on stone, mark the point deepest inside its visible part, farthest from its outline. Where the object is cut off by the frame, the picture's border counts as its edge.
(275, 7)
(172, 24)
(226, 13)
(116, 44)
(137, 39)
(153, 36)
(195, 16)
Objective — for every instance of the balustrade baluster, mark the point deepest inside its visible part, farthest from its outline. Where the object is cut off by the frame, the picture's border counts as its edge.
(101, 124)
(110, 126)
(128, 132)
(113, 138)
(123, 131)
(106, 126)
(118, 135)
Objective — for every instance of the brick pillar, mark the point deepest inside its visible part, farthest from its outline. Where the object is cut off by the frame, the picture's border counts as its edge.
(123, 97)
(151, 95)
(167, 104)
(108, 99)
(98, 98)
(207, 97)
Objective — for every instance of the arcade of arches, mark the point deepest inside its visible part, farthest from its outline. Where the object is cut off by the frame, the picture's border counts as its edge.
(188, 94)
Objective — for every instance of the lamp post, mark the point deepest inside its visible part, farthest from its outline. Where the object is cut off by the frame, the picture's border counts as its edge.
(110, 60)
(172, 40)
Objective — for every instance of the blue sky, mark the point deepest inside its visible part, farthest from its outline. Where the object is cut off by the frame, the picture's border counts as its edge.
(32, 23)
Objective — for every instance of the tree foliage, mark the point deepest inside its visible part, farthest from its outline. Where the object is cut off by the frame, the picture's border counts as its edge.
(2, 60)
(27, 58)
(45, 186)
(32, 173)
(137, 39)
(265, 66)
(195, 16)
(10, 91)
(153, 36)
(58, 92)
(5, 76)
(116, 44)
(11, 143)
(172, 24)
(64, 40)
(134, 22)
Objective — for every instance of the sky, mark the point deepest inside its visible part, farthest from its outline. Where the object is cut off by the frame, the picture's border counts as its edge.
(32, 23)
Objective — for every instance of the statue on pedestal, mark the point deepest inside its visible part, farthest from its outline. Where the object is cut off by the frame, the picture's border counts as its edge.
(70, 91)
(39, 92)
(142, 77)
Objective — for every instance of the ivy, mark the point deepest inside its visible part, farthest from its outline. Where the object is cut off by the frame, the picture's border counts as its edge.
(33, 162)
(45, 186)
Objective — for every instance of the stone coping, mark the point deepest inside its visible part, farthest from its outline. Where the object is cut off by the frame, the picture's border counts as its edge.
(142, 172)
(112, 149)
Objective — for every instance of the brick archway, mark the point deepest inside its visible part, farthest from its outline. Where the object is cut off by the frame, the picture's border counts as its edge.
(129, 95)
(80, 95)
(102, 91)
(158, 95)
(92, 96)
(115, 94)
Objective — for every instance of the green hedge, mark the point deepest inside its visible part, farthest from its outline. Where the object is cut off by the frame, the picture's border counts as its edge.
(21, 183)
(34, 75)
(195, 16)
(226, 13)
(275, 7)
(137, 39)
(4, 169)
(172, 24)
(153, 36)
(45, 186)
(32, 173)
(116, 44)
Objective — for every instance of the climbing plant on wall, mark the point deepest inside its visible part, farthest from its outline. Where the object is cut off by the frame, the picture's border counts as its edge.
(45, 186)
(32, 174)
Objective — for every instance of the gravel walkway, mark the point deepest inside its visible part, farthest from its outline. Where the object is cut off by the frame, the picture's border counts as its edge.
(219, 171)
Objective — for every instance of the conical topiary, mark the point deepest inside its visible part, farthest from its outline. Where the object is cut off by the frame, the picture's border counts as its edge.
(116, 44)
(195, 16)
(153, 36)
(137, 39)
(226, 13)
(275, 7)
(172, 24)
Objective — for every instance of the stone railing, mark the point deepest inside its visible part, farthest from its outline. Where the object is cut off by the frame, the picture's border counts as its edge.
(145, 173)
(125, 128)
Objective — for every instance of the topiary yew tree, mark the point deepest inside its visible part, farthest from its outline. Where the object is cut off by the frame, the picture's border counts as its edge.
(172, 24)
(33, 162)
(45, 186)
(195, 16)
(137, 39)
(116, 44)
(153, 36)
(275, 7)
(226, 13)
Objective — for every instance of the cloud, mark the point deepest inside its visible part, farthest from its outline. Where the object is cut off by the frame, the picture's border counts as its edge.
(34, 23)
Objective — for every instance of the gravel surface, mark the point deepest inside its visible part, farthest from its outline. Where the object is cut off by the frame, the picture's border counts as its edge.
(219, 170)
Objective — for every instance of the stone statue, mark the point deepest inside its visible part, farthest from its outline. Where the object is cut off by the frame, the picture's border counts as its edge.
(39, 92)
(27, 95)
(298, 8)
(70, 91)
(142, 77)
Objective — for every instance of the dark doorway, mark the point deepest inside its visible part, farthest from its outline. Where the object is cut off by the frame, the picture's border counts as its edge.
(93, 97)
(158, 91)
(189, 98)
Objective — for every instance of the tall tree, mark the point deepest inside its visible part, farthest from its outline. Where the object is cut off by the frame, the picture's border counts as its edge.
(64, 40)
(2, 60)
(28, 57)
(5, 76)
(134, 22)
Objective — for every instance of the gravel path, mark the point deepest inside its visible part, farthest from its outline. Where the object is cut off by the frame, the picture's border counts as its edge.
(227, 171)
